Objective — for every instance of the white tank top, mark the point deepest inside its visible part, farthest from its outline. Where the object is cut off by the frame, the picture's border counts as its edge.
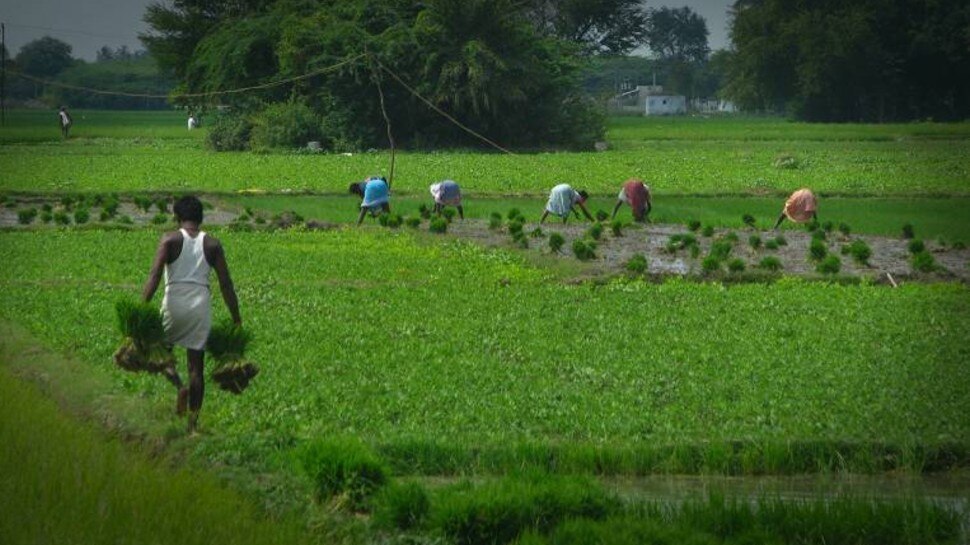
(190, 266)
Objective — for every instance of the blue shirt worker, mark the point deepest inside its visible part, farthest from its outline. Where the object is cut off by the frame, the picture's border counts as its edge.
(375, 197)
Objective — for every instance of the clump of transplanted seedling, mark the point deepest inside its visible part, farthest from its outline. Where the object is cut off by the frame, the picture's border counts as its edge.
(413, 222)
(515, 214)
(845, 229)
(748, 220)
(828, 226)
(736, 265)
(537, 233)
(227, 345)
(449, 214)
(556, 242)
(754, 241)
(830, 265)
(517, 233)
(616, 226)
(61, 218)
(923, 262)
(812, 226)
(393, 220)
(495, 221)
(770, 263)
(143, 347)
(161, 204)
(680, 241)
(819, 235)
(601, 215)
(438, 225)
(584, 249)
(46, 217)
(915, 246)
(786, 161)
(781, 240)
(721, 249)
(771, 244)
(708, 231)
(142, 203)
(694, 225)
(731, 237)
(26, 216)
(711, 264)
(637, 264)
(817, 250)
(595, 231)
(424, 211)
(859, 251)
(81, 216)
(908, 231)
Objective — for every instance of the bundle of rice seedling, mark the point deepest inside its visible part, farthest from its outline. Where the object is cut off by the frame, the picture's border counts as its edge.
(144, 346)
(227, 345)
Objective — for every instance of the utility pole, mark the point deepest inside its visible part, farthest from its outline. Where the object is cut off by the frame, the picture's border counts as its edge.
(3, 75)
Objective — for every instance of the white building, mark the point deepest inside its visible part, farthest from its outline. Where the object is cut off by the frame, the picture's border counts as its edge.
(665, 105)
(648, 100)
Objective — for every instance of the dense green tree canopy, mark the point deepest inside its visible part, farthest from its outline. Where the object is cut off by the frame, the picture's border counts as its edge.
(44, 57)
(613, 27)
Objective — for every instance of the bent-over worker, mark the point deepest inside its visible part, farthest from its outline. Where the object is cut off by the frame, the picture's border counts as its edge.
(375, 197)
(635, 193)
(447, 193)
(800, 207)
(562, 200)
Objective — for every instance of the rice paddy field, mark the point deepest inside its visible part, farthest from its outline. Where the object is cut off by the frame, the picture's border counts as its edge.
(430, 389)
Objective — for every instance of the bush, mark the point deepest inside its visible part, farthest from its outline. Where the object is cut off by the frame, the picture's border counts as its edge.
(754, 241)
(860, 251)
(770, 263)
(285, 125)
(556, 241)
(438, 225)
(711, 264)
(81, 216)
(817, 250)
(830, 265)
(908, 231)
(595, 231)
(736, 265)
(495, 221)
(708, 231)
(343, 468)
(845, 229)
(923, 262)
(693, 225)
(915, 246)
(748, 220)
(617, 227)
(229, 132)
(413, 222)
(26, 216)
(584, 250)
(637, 264)
(402, 506)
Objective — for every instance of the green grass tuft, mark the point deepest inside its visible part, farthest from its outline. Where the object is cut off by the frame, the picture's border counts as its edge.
(345, 470)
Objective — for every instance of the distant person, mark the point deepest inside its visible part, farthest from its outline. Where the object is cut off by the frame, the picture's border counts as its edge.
(193, 122)
(562, 200)
(375, 197)
(66, 122)
(800, 207)
(187, 256)
(635, 193)
(447, 193)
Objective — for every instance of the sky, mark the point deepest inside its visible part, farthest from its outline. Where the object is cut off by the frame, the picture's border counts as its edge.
(89, 24)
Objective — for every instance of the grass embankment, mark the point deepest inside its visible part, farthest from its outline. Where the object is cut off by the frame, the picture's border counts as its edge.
(64, 482)
(402, 344)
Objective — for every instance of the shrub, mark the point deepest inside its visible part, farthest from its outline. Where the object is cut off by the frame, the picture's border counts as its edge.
(449, 214)
(26, 216)
(748, 220)
(343, 468)
(413, 222)
(617, 227)
(556, 241)
(708, 231)
(601, 215)
(830, 265)
(754, 241)
(160, 219)
(817, 250)
(908, 231)
(81, 215)
(845, 229)
(736, 265)
(438, 225)
(495, 221)
(229, 132)
(584, 250)
(770, 263)
(595, 231)
(711, 264)
(860, 251)
(923, 262)
(285, 125)
(771, 245)
(916, 246)
(402, 506)
(637, 264)
(694, 225)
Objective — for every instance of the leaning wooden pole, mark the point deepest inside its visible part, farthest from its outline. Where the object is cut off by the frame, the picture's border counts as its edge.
(387, 122)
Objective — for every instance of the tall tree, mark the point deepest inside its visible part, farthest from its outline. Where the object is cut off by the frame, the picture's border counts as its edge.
(45, 57)
(612, 27)
(677, 34)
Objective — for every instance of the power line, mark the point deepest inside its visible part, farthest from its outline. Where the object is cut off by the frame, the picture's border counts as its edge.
(70, 31)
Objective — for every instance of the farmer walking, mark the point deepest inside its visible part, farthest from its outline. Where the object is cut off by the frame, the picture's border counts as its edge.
(635, 193)
(375, 197)
(65, 121)
(187, 256)
(800, 207)
(447, 193)
(562, 200)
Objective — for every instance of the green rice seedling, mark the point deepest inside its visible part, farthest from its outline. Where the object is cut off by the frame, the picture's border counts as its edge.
(845, 229)
(601, 215)
(160, 219)
(748, 220)
(438, 225)
(771, 244)
(3, 199)
(495, 221)
(828, 226)
(556, 242)
(206, 205)
(959, 245)
(731, 237)
(61, 218)
(402, 506)
(781, 240)
(537, 233)
(244, 217)
(67, 201)
(616, 226)
(694, 225)
(637, 264)
(830, 265)
(819, 235)
(595, 231)
(46, 217)
(382, 219)
(449, 214)
(785, 161)
(812, 226)
(413, 222)
(736, 265)
(860, 251)
(754, 241)
(515, 227)
(125, 220)
(515, 214)
(46, 207)
(144, 348)
(770, 263)
(708, 231)
(817, 250)
(711, 264)
(584, 250)
(923, 262)
(249, 211)
(343, 470)
(915, 246)
(721, 249)
(260, 220)
(142, 202)
(26, 216)
(521, 240)
(394, 220)
(908, 231)
(81, 216)
(695, 251)
(104, 216)
(424, 211)
(161, 204)
(227, 344)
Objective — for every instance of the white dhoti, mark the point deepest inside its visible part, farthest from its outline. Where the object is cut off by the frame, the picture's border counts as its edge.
(186, 315)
